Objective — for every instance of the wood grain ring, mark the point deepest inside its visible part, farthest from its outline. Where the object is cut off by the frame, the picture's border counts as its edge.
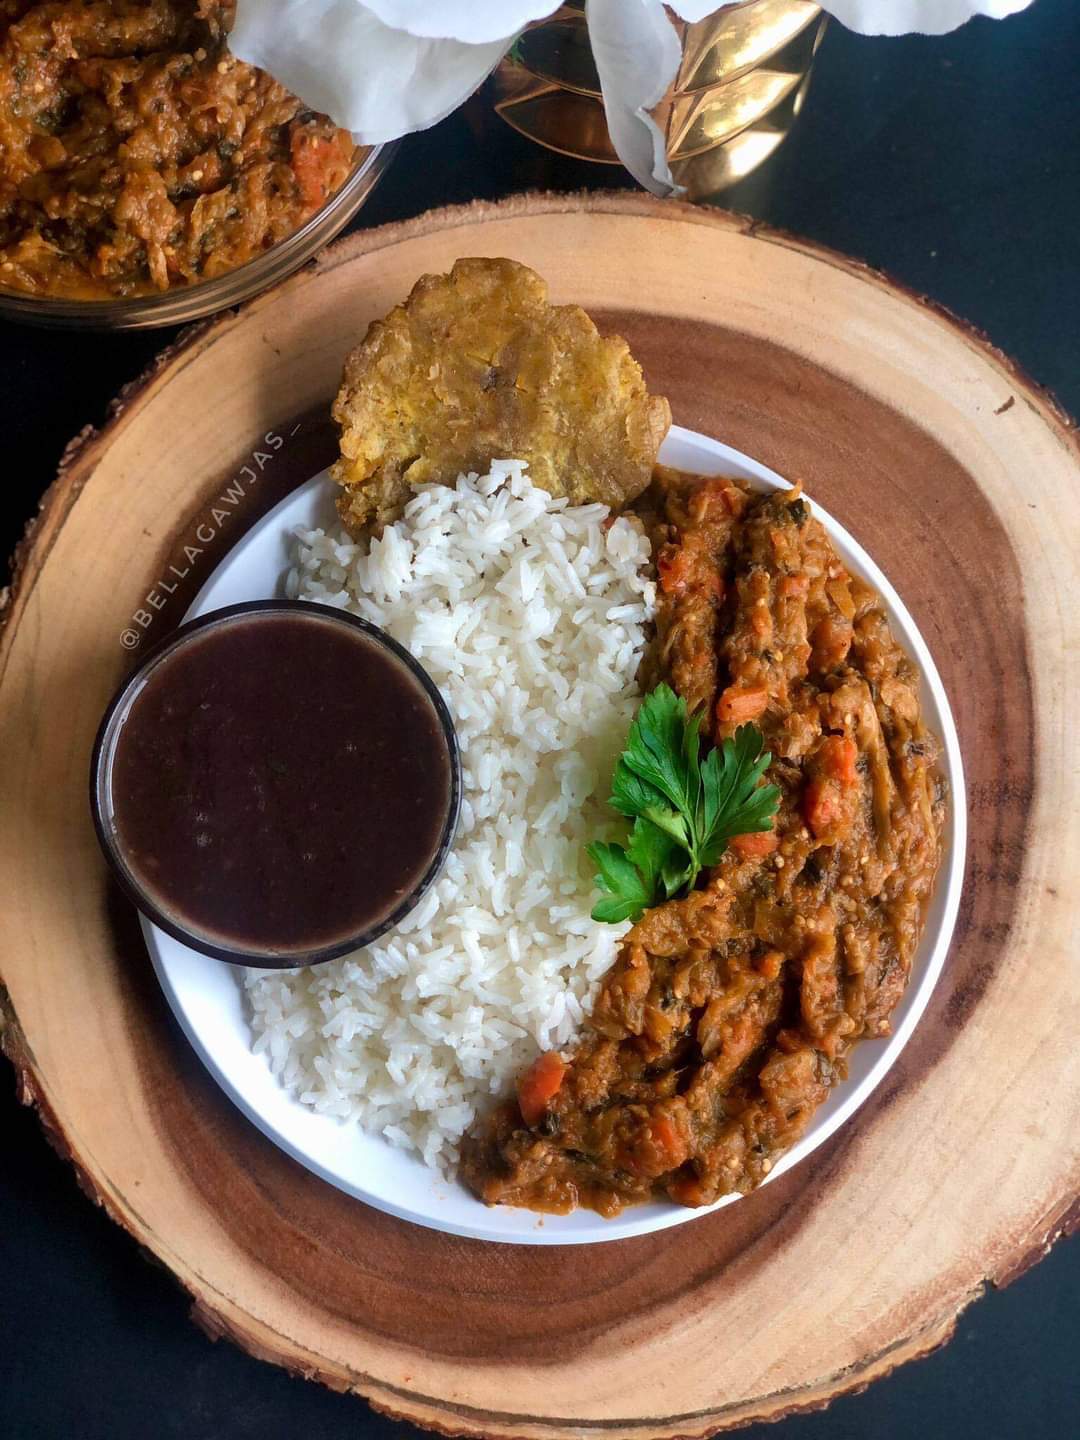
(958, 475)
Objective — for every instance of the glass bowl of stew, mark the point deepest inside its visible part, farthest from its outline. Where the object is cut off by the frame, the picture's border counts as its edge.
(182, 304)
(148, 176)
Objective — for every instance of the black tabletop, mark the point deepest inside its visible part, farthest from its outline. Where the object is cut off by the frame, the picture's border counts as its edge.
(954, 165)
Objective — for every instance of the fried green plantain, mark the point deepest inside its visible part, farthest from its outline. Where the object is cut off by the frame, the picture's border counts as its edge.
(478, 366)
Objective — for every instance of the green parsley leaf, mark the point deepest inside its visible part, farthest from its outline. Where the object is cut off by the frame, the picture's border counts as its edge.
(655, 748)
(684, 809)
(625, 890)
(631, 795)
(652, 851)
(676, 877)
(736, 803)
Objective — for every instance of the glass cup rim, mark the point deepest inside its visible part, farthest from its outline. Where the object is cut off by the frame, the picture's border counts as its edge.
(104, 749)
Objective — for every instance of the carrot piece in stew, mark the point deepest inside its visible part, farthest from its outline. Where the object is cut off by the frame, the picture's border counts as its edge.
(316, 160)
(821, 806)
(756, 845)
(671, 1147)
(673, 569)
(831, 642)
(739, 704)
(838, 756)
(539, 1085)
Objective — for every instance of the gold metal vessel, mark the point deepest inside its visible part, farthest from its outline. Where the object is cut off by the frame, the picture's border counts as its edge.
(744, 75)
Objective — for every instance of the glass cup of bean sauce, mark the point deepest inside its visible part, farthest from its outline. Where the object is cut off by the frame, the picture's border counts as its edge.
(277, 784)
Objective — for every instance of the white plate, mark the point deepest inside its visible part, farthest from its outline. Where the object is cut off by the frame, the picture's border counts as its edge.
(208, 1001)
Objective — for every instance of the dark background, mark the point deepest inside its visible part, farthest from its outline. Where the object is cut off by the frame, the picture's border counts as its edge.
(954, 165)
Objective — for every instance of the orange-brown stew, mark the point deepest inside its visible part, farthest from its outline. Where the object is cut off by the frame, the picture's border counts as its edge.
(730, 1014)
(136, 154)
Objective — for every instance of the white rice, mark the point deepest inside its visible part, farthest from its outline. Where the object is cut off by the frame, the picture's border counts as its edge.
(530, 618)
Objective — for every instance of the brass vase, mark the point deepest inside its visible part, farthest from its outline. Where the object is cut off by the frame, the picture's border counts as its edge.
(744, 75)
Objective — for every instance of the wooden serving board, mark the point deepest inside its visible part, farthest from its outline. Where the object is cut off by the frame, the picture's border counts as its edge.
(959, 476)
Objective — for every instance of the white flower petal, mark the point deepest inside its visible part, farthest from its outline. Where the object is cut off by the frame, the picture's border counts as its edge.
(884, 17)
(376, 81)
(473, 21)
(637, 55)
(926, 17)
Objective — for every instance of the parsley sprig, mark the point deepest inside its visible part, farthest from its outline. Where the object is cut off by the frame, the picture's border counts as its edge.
(685, 809)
